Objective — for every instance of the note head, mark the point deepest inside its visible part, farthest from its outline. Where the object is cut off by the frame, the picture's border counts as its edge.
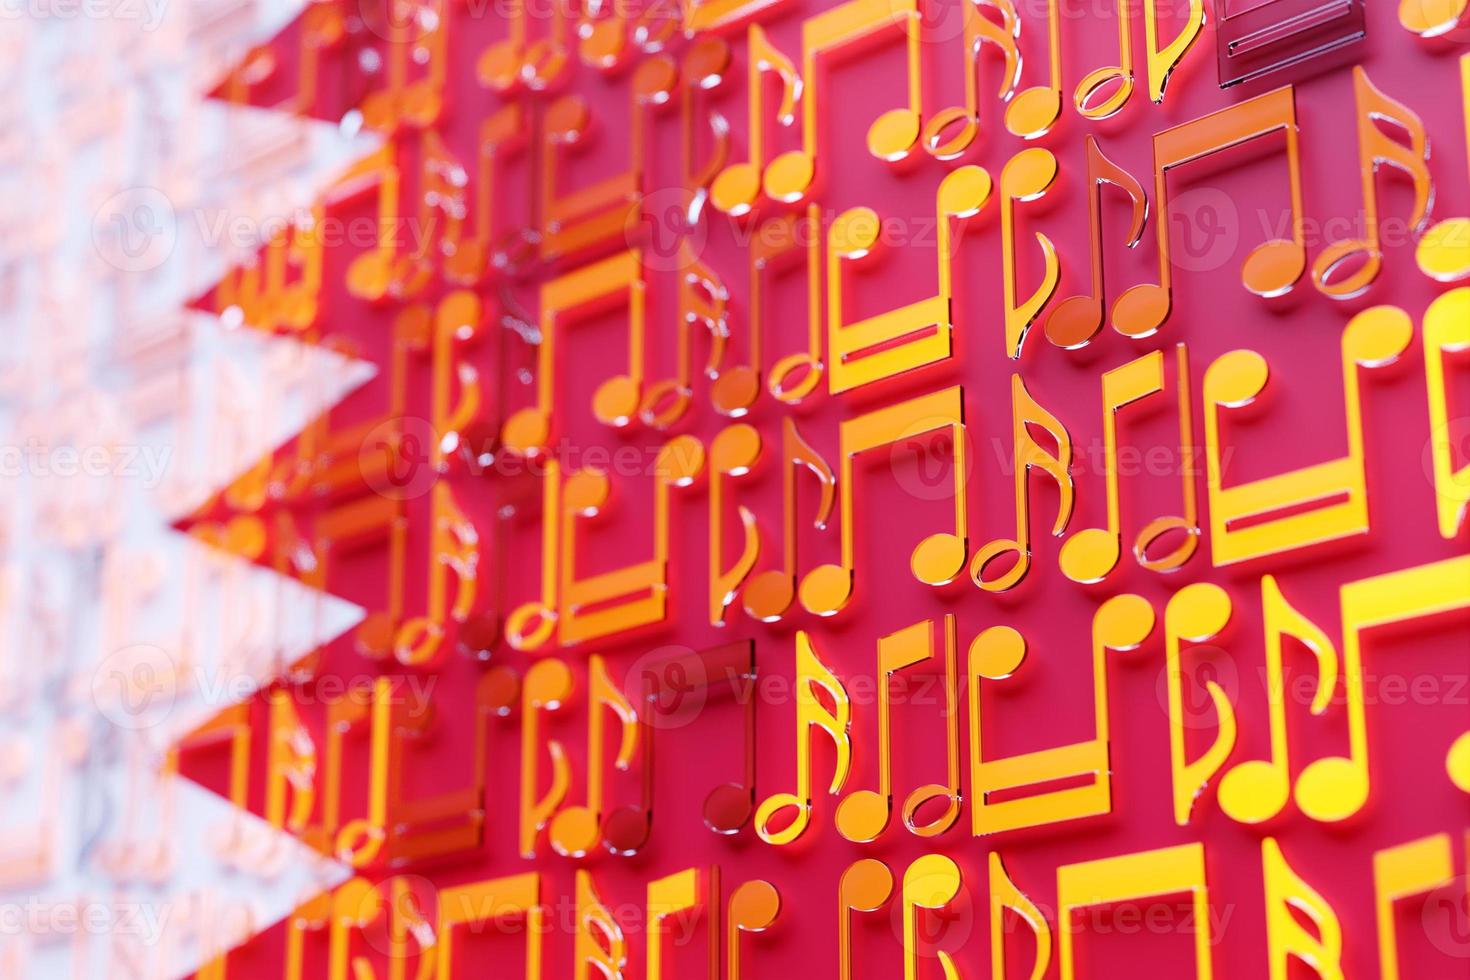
(866, 885)
(789, 177)
(1345, 270)
(997, 653)
(1032, 113)
(603, 43)
(574, 832)
(735, 391)
(826, 589)
(664, 404)
(546, 61)
(1159, 529)
(893, 135)
(755, 906)
(1124, 622)
(369, 275)
(1273, 268)
(941, 146)
(989, 554)
(932, 881)
(1332, 789)
(1236, 378)
(939, 559)
(735, 189)
(616, 401)
(529, 626)
(1074, 322)
(1430, 18)
(728, 808)
(920, 799)
(863, 815)
(771, 808)
(1089, 555)
(499, 67)
(806, 371)
(1378, 336)
(1029, 174)
(625, 831)
(1443, 252)
(527, 431)
(1254, 791)
(1457, 763)
(769, 595)
(964, 191)
(1103, 93)
(374, 635)
(1142, 310)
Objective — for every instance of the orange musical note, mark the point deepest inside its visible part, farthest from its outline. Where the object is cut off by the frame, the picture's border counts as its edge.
(1036, 109)
(735, 190)
(1364, 257)
(769, 593)
(931, 882)
(1446, 331)
(417, 31)
(471, 255)
(1077, 319)
(1196, 613)
(601, 944)
(514, 897)
(754, 907)
(705, 63)
(531, 624)
(1005, 895)
(866, 886)
(576, 830)
(812, 715)
(1027, 177)
(518, 61)
(979, 31)
(576, 221)
(733, 453)
(1241, 523)
(1091, 554)
(573, 295)
(371, 276)
(939, 558)
(703, 308)
(864, 814)
(1026, 412)
(907, 337)
(548, 685)
(1121, 623)
(1272, 268)
(1144, 874)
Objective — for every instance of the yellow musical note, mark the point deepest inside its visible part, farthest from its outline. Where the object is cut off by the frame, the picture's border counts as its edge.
(931, 882)
(1401, 871)
(517, 61)
(371, 275)
(936, 560)
(1091, 554)
(548, 685)
(1289, 899)
(495, 900)
(1121, 623)
(576, 830)
(1027, 177)
(1443, 252)
(1163, 61)
(979, 30)
(1035, 110)
(1372, 339)
(1005, 895)
(1430, 18)
(812, 715)
(688, 891)
(769, 593)
(866, 886)
(703, 303)
(1272, 268)
(908, 337)
(454, 547)
(1364, 257)
(1127, 877)
(735, 190)
(1446, 332)
(733, 453)
(754, 907)
(1195, 614)
(601, 944)
(530, 625)
(502, 134)
(1026, 412)
(863, 815)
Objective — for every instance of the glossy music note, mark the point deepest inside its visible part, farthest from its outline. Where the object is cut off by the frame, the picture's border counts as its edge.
(812, 716)
(794, 376)
(1272, 268)
(454, 546)
(737, 187)
(674, 685)
(1130, 877)
(547, 686)
(703, 308)
(704, 66)
(371, 275)
(939, 558)
(577, 294)
(1101, 93)
(1241, 523)
(863, 815)
(1257, 790)
(517, 61)
(1443, 252)
(1091, 554)
(964, 121)
(907, 337)
(1122, 623)
(1077, 319)
(600, 944)
(1363, 258)
(576, 830)
(417, 31)
(497, 900)
(1005, 895)
(1402, 871)
(575, 221)
(531, 624)
(1446, 333)
(1197, 613)
(1026, 412)
(790, 176)
(733, 453)
(1430, 18)
(865, 886)
(693, 890)
(1290, 903)
(634, 595)
(754, 907)
(931, 882)
(502, 135)
(1027, 177)
(1163, 60)
(769, 593)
